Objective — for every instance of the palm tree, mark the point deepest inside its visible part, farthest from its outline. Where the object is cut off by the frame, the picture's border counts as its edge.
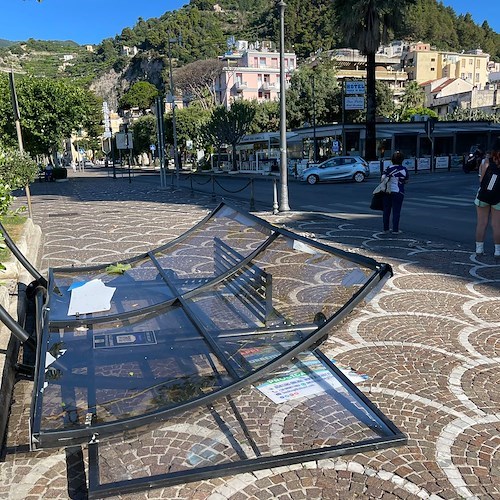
(413, 97)
(366, 24)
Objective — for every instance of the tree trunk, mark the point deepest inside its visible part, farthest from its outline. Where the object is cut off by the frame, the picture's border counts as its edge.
(371, 109)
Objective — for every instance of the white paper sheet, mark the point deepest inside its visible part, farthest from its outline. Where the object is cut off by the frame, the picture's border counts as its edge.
(91, 297)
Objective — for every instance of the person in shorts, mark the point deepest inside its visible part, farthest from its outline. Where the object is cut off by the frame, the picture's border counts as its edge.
(486, 211)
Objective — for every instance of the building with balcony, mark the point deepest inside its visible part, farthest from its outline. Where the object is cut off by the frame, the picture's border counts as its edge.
(351, 65)
(252, 71)
(423, 63)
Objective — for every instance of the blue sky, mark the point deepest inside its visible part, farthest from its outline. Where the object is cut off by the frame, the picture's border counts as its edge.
(90, 21)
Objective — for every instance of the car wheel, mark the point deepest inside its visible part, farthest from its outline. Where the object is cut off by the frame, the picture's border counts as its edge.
(312, 179)
(359, 177)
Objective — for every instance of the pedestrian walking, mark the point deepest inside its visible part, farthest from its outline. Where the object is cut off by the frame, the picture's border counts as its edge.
(397, 176)
(48, 172)
(488, 200)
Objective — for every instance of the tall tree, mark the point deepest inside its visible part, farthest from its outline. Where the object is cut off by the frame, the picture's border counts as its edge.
(267, 117)
(51, 110)
(189, 125)
(140, 95)
(366, 24)
(144, 133)
(413, 97)
(229, 126)
(314, 95)
(197, 81)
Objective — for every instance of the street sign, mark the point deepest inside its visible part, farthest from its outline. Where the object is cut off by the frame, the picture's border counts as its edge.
(355, 87)
(107, 122)
(81, 151)
(354, 102)
(124, 140)
(335, 146)
(152, 147)
(106, 146)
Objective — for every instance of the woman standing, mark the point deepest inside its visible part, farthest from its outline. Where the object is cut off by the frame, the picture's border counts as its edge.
(393, 201)
(488, 200)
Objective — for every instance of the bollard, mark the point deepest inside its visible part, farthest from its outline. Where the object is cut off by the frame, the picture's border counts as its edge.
(252, 200)
(172, 181)
(275, 197)
(191, 184)
(213, 188)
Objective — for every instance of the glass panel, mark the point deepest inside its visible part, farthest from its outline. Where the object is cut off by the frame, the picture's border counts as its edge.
(309, 285)
(124, 369)
(209, 251)
(136, 288)
(311, 408)
(289, 283)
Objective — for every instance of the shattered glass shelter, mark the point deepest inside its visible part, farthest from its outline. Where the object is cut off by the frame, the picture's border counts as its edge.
(201, 358)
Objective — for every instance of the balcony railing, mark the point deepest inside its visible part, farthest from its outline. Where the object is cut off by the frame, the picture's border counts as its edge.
(240, 86)
(267, 86)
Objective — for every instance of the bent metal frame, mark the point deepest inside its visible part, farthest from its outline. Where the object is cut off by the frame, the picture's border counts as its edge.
(207, 362)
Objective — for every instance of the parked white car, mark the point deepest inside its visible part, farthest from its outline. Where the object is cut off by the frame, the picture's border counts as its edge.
(337, 168)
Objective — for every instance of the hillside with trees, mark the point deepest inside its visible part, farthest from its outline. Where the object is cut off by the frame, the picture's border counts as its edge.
(201, 30)
(310, 25)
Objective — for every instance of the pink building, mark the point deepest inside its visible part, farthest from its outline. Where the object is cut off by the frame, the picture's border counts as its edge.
(252, 71)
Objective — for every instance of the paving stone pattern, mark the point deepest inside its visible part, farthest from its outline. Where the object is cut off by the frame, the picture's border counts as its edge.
(429, 342)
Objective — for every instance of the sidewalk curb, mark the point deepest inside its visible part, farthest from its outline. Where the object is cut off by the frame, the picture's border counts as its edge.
(13, 302)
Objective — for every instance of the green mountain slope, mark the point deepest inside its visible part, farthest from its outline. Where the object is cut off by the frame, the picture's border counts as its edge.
(205, 26)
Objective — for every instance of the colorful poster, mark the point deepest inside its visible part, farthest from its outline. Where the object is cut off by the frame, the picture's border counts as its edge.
(307, 378)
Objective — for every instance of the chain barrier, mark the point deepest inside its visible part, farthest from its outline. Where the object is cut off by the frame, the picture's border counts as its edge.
(211, 178)
(237, 190)
(200, 183)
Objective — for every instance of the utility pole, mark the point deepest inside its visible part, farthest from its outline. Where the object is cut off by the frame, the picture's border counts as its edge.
(17, 119)
(315, 146)
(344, 150)
(174, 125)
(283, 207)
(161, 141)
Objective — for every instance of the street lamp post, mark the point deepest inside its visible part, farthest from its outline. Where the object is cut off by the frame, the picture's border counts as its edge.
(283, 206)
(315, 146)
(174, 125)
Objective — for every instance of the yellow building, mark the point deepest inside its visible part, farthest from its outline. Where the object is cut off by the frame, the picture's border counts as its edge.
(422, 63)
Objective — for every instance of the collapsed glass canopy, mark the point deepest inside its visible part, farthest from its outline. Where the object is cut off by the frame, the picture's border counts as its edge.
(192, 332)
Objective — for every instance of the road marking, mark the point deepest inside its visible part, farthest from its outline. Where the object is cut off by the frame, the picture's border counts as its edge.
(459, 201)
(435, 203)
(342, 215)
(428, 201)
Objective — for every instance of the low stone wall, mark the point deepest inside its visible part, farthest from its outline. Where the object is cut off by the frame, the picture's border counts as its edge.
(29, 244)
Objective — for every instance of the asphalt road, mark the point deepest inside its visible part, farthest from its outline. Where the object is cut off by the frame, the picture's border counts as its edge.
(437, 206)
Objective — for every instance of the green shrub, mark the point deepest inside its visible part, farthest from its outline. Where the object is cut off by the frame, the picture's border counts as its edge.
(16, 169)
(6, 198)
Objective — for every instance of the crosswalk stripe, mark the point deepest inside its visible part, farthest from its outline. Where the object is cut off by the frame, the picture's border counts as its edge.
(437, 202)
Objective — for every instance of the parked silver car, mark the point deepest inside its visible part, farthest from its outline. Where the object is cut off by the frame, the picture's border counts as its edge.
(337, 168)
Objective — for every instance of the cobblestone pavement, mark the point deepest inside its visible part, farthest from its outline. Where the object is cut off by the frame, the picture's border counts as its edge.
(429, 342)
